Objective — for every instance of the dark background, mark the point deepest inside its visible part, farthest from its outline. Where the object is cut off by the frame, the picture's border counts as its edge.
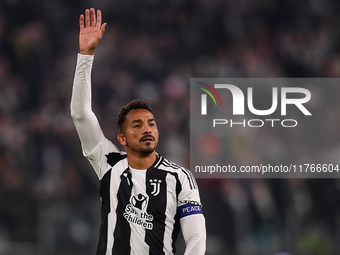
(49, 200)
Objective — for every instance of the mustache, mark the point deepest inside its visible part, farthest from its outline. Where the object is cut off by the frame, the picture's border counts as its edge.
(147, 136)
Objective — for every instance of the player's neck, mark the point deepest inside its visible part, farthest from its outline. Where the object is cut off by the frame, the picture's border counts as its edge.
(138, 161)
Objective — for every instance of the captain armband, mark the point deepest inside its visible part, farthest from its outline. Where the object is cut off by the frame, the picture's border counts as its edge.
(189, 207)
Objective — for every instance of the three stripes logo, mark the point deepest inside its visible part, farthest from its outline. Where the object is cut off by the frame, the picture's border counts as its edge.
(204, 97)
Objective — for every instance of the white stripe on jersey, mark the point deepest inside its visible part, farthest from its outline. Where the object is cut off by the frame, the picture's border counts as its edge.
(111, 224)
(170, 212)
(138, 246)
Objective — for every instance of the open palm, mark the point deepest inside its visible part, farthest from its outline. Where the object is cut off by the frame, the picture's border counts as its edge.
(91, 34)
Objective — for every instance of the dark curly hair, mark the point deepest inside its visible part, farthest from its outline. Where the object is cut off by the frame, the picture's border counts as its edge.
(134, 104)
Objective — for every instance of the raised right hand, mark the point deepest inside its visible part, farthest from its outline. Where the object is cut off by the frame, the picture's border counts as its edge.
(90, 36)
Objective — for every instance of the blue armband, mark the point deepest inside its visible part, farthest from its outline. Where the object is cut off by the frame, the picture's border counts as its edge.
(189, 209)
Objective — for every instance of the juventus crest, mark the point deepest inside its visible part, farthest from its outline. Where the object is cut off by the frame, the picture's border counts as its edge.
(156, 184)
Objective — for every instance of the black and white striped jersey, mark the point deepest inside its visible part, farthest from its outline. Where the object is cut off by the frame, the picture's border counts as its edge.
(141, 209)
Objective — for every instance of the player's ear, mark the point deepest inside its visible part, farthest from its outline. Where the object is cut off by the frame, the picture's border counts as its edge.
(121, 139)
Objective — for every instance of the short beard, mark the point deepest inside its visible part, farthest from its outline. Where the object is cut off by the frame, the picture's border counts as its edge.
(144, 151)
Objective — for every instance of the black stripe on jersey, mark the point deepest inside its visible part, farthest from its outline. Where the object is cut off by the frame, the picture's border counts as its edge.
(157, 207)
(105, 210)
(178, 184)
(114, 157)
(175, 232)
(122, 232)
(159, 161)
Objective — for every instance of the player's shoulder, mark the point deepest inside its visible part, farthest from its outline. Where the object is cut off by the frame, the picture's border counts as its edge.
(105, 156)
(113, 154)
(184, 176)
(107, 151)
(170, 166)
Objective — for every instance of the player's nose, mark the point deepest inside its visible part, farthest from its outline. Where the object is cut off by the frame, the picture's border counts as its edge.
(146, 128)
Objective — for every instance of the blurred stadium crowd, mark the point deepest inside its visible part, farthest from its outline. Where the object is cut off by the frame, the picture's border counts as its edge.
(49, 200)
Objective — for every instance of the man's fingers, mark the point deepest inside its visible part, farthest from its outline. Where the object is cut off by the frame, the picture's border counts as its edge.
(93, 18)
(81, 22)
(99, 18)
(102, 29)
(87, 17)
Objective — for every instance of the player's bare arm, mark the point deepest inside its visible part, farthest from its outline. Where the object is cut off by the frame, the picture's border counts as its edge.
(91, 31)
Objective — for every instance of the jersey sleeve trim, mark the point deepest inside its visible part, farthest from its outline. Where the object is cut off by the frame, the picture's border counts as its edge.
(188, 174)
